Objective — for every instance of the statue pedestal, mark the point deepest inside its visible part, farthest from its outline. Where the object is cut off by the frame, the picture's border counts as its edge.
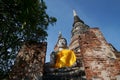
(66, 73)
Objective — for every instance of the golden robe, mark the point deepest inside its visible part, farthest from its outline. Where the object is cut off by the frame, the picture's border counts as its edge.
(65, 58)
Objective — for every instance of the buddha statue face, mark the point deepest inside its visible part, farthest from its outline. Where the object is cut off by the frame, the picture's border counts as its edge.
(62, 43)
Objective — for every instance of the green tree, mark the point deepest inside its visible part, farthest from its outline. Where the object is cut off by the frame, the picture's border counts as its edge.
(20, 21)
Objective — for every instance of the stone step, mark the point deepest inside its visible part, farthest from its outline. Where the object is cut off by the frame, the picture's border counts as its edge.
(67, 72)
(75, 76)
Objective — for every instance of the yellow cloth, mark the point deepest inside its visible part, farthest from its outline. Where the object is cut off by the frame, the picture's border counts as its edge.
(65, 58)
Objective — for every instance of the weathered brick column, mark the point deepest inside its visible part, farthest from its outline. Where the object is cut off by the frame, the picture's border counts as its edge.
(30, 62)
(101, 60)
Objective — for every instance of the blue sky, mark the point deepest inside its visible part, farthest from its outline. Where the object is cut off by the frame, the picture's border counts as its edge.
(104, 14)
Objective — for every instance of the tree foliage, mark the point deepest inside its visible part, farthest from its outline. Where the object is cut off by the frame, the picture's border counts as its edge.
(20, 21)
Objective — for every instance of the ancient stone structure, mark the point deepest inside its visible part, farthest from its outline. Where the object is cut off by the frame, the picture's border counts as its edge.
(96, 58)
(29, 64)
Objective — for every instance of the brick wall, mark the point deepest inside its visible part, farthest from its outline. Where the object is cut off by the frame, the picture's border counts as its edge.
(99, 58)
(30, 61)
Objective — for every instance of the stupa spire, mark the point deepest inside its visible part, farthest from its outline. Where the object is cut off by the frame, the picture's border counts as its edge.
(76, 18)
(74, 13)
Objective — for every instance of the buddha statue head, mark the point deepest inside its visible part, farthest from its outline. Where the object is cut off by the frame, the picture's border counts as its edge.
(61, 43)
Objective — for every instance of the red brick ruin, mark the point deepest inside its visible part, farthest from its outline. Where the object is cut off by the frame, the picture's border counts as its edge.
(29, 64)
(96, 58)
